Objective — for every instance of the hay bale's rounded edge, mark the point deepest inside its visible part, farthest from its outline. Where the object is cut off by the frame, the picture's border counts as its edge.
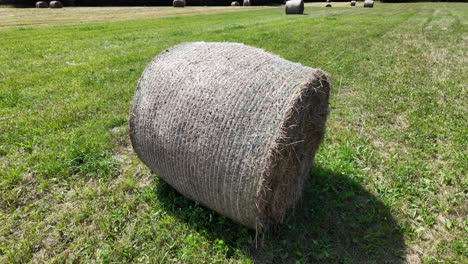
(42, 4)
(178, 3)
(369, 4)
(294, 7)
(293, 151)
(55, 4)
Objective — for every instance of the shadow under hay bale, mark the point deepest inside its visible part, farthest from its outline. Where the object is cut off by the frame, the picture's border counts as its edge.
(337, 221)
(235, 4)
(353, 3)
(368, 4)
(55, 4)
(42, 4)
(230, 126)
(178, 3)
(246, 3)
(295, 7)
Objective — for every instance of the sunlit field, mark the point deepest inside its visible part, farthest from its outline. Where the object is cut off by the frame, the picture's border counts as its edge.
(388, 184)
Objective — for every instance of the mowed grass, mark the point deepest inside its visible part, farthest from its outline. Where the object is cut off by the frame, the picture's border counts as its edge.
(388, 186)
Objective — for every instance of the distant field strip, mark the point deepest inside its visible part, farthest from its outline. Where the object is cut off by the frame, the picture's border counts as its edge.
(10, 17)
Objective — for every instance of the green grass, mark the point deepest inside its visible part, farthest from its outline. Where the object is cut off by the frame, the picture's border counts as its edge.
(389, 183)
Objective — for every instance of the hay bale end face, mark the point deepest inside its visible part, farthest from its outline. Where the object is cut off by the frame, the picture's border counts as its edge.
(178, 3)
(235, 3)
(55, 4)
(42, 4)
(353, 3)
(230, 126)
(246, 3)
(295, 7)
(368, 4)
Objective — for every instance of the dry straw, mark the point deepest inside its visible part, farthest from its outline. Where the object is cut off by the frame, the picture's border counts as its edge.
(178, 3)
(42, 4)
(230, 126)
(55, 4)
(295, 7)
(369, 3)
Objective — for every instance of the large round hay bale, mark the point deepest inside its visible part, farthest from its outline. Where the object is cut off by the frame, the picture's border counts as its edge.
(55, 4)
(230, 126)
(353, 3)
(369, 3)
(178, 3)
(42, 4)
(235, 3)
(294, 7)
(246, 3)
(328, 5)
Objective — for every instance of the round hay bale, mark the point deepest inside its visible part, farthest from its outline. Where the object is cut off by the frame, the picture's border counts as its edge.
(369, 3)
(328, 5)
(353, 3)
(55, 4)
(235, 3)
(295, 7)
(178, 3)
(42, 4)
(230, 126)
(246, 3)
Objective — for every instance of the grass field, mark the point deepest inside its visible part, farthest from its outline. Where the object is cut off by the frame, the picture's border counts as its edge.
(389, 184)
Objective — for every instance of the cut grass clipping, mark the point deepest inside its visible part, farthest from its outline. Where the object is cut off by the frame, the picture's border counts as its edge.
(230, 126)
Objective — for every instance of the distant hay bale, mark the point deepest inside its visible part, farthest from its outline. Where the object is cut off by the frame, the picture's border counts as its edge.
(235, 3)
(295, 7)
(353, 3)
(55, 4)
(328, 5)
(42, 4)
(246, 3)
(178, 3)
(369, 3)
(230, 126)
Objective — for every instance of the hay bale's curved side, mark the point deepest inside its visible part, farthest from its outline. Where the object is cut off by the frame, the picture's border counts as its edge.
(178, 3)
(55, 4)
(353, 3)
(230, 126)
(42, 4)
(235, 3)
(295, 7)
(368, 4)
(246, 3)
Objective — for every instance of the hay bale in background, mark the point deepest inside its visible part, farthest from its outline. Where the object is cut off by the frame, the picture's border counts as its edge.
(42, 4)
(369, 3)
(178, 3)
(55, 4)
(353, 3)
(295, 7)
(235, 3)
(230, 126)
(246, 3)
(328, 5)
